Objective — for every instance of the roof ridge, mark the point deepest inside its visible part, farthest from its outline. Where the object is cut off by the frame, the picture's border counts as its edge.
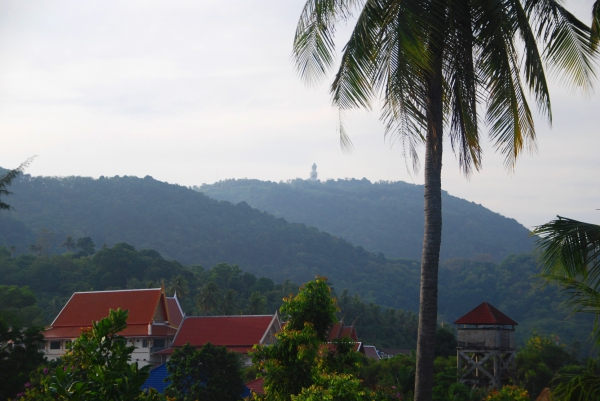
(228, 316)
(104, 291)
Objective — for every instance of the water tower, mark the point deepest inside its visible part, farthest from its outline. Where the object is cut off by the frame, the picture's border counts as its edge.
(485, 347)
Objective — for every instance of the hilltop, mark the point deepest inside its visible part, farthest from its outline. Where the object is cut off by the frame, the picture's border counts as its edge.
(384, 217)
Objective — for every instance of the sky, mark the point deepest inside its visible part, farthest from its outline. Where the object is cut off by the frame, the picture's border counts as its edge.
(193, 92)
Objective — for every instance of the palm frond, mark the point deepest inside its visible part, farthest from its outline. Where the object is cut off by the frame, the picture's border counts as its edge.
(508, 113)
(461, 81)
(568, 51)
(595, 25)
(352, 86)
(314, 47)
(401, 66)
(7, 178)
(579, 387)
(581, 296)
(570, 248)
(532, 61)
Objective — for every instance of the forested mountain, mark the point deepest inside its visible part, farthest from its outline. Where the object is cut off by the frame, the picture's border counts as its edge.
(187, 228)
(193, 229)
(382, 217)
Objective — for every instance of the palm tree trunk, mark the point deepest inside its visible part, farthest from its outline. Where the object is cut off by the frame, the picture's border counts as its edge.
(432, 238)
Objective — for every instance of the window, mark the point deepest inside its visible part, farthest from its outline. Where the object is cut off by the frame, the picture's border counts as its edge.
(54, 344)
(144, 343)
(159, 343)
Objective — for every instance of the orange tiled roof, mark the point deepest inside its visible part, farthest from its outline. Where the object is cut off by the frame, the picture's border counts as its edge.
(256, 385)
(348, 331)
(334, 332)
(175, 312)
(234, 332)
(338, 330)
(86, 307)
(137, 330)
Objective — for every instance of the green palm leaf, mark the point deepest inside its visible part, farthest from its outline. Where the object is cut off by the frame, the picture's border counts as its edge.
(570, 248)
(7, 178)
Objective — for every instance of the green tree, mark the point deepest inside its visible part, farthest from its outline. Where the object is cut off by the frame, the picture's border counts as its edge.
(6, 180)
(18, 306)
(229, 305)
(334, 387)
(208, 298)
(300, 359)
(96, 367)
(19, 356)
(87, 246)
(287, 366)
(313, 304)
(179, 285)
(257, 304)
(69, 244)
(209, 374)
(434, 63)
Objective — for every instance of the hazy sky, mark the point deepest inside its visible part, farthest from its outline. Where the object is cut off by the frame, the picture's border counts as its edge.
(193, 92)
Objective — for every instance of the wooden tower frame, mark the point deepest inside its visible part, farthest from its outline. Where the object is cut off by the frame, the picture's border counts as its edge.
(485, 347)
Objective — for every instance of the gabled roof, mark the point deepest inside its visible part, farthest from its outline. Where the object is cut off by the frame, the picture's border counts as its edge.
(86, 307)
(237, 333)
(485, 314)
(371, 352)
(256, 385)
(338, 330)
(175, 312)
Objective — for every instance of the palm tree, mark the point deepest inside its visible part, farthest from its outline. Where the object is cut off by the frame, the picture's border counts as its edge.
(208, 298)
(570, 256)
(179, 286)
(69, 243)
(7, 178)
(434, 64)
(257, 304)
(229, 306)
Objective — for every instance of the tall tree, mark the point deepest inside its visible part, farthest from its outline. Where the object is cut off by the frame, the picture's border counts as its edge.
(433, 64)
(209, 374)
(208, 297)
(69, 243)
(19, 356)
(6, 180)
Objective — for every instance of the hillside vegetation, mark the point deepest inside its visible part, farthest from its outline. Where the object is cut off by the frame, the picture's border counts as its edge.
(174, 227)
(53, 279)
(383, 217)
(193, 229)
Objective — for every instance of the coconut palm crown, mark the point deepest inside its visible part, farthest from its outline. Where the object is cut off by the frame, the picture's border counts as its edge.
(445, 67)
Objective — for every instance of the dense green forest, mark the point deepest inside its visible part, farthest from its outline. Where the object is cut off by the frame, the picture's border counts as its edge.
(382, 217)
(187, 226)
(508, 285)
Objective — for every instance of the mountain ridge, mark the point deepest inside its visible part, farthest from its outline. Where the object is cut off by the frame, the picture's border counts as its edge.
(383, 216)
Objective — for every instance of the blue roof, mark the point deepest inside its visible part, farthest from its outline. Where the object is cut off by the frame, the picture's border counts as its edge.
(157, 377)
(156, 380)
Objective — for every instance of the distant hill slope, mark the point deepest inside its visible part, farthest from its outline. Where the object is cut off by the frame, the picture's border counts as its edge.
(189, 227)
(383, 217)
(193, 229)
